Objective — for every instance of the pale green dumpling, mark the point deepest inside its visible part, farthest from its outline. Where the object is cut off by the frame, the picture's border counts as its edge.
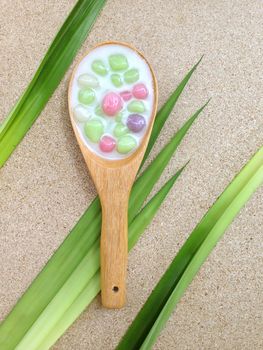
(136, 106)
(118, 117)
(99, 111)
(94, 129)
(120, 130)
(86, 96)
(126, 144)
(116, 80)
(118, 62)
(99, 67)
(88, 80)
(131, 76)
(81, 114)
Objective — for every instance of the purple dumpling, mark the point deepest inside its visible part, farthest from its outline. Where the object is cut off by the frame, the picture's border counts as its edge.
(136, 122)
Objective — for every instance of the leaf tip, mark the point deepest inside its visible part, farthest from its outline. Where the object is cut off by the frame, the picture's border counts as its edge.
(179, 172)
(203, 107)
(197, 63)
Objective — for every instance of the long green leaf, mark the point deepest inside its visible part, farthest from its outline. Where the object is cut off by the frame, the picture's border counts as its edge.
(68, 257)
(151, 319)
(50, 72)
(154, 171)
(61, 308)
(167, 109)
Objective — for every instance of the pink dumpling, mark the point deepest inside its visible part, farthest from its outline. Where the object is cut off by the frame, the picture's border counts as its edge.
(111, 104)
(126, 95)
(140, 91)
(107, 144)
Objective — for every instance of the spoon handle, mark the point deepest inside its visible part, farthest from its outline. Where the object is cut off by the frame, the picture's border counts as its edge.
(114, 249)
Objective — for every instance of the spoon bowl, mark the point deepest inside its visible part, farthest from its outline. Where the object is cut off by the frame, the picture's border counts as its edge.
(113, 173)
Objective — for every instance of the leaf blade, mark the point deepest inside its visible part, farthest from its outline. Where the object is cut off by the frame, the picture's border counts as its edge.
(79, 283)
(153, 172)
(47, 77)
(167, 109)
(155, 312)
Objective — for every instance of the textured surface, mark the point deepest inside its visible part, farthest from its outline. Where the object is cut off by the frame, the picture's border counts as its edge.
(45, 187)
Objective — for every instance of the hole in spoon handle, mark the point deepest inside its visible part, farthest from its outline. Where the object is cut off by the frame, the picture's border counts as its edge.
(114, 251)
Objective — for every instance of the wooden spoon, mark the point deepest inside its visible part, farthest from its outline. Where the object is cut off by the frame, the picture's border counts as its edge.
(113, 179)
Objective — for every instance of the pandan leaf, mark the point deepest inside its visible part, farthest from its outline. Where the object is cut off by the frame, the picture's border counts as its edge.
(77, 247)
(151, 319)
(50, 72)
(63, 306)
(167, 108)
(154, 171)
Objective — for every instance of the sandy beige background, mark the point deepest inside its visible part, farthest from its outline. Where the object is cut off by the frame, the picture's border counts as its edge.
(45, 187)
